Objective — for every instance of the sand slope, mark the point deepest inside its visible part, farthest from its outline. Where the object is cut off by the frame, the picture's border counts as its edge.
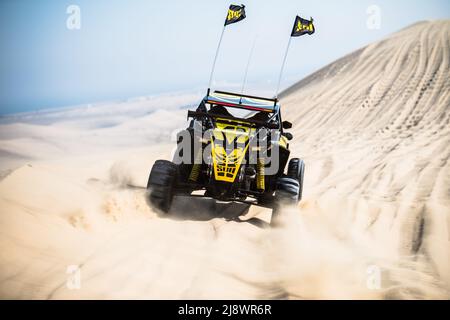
(373, 129)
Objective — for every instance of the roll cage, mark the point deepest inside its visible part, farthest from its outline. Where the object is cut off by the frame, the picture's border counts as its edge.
(241, 101)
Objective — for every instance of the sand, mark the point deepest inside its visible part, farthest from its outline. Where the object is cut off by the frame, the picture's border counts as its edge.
(373, 128)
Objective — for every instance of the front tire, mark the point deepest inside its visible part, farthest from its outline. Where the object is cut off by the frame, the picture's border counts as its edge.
(161, 185)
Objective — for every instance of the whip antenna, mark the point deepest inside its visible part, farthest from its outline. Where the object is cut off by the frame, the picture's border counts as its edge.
(248, 65)
(235, 14)
(282, 67)
(300, 28)
(215, 59)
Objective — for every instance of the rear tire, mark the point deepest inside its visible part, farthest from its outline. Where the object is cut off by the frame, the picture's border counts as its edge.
(287, 194)
(296, 170)
(289, 189)
(161, 185)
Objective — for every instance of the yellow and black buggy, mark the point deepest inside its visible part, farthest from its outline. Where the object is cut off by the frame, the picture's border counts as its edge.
(235, 149)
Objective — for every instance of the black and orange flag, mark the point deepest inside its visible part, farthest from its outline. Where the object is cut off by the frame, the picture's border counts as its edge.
(235, 14)
(302, 27)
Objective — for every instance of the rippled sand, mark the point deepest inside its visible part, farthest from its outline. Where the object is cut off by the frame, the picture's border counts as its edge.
(373, 128)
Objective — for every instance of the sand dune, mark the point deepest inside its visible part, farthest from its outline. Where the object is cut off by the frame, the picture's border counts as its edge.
(373, 128)
(381, 150)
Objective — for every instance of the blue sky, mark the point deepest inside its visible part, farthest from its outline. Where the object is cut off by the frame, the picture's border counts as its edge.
(128, 48)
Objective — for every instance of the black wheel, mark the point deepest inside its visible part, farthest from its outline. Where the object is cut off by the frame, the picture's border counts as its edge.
(296, 170)
(289, 188)
(287, 194)
(161, 185)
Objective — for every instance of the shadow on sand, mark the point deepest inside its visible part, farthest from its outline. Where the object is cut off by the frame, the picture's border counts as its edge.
(205, 209)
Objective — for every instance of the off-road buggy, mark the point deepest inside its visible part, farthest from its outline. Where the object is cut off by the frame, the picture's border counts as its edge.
(235, 149)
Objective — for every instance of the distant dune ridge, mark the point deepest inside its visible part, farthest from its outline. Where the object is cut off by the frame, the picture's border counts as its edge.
(373, 128)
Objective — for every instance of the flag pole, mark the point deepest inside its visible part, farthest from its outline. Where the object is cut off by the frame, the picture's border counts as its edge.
(215, 59)
(282, 67)
(248, 65)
